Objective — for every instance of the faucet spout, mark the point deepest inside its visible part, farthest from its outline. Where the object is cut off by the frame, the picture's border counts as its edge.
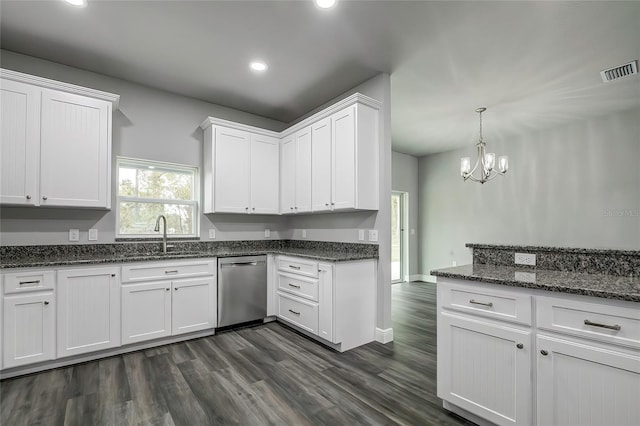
(164, 231)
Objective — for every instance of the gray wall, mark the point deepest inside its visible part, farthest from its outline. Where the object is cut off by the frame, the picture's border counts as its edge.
(573, 186)
(405, 179)
(151, 124)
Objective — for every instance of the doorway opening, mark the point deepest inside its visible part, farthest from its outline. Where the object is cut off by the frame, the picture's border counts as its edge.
(399, 240)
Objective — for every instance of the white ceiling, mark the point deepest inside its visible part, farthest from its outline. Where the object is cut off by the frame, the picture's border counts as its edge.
(533, 64)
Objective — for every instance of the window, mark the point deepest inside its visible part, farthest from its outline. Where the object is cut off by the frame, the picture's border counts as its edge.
(147, 189)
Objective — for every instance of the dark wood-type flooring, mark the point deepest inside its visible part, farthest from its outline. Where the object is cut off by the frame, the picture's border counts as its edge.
(267, 374)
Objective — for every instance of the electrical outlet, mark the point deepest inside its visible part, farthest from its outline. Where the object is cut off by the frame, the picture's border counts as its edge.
(360, 234)
(526, 277)
(93, 234)
(212, 233)
(373, 235)
(267, 233)
(454, 263)
(304, 233)
(74, 235)
(413, 231)
(525, 259)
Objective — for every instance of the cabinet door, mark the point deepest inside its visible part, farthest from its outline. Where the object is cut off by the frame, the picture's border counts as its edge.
(29, 333)
(232, 171)
(482, 369)
(288, 176)
(326, 305)
(344, 159)
(265, 174)
(303, 171)
(146, 311)
(75, 151)
(580, 384)
(321, 167)
(19, 143)
(193, 305)
(88, 310)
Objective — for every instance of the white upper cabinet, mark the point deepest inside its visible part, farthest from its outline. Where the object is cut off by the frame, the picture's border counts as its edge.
(241, 171)
(321, 167)
(20, 143)
(56, 143)
(265, 177)
(329, 161)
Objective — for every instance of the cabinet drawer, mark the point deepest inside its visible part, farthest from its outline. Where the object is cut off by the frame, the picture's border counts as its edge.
(168, 270)
(497, 304)
(303, 287)
(21, 282)
(299, 312)
(308, 268)
(592, 320)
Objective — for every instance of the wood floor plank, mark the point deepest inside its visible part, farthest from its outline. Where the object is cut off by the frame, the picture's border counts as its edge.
(264, 375)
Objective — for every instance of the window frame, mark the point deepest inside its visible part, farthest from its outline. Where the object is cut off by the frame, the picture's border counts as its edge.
(195, 201)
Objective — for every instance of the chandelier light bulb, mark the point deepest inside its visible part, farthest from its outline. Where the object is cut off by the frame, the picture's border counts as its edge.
(325, 4)
(465, 165)
(503, 163)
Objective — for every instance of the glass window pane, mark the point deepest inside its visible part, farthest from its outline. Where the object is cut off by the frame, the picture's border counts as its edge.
(140, 218)
(127, 182)
(171, 185)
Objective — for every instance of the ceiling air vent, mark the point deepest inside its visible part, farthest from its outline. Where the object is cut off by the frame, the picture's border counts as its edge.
(619, 72)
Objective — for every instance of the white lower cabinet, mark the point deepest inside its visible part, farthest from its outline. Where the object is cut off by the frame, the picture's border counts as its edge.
(496, 345)
(485, 368)
(333, 301)
(88, 310)
(183, 302)
(29, 329)
(585, 384)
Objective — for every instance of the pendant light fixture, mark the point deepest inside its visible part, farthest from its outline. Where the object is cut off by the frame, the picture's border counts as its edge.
(485, 162)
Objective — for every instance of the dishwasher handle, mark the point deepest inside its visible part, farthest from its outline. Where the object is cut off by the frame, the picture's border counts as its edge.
(236, 264)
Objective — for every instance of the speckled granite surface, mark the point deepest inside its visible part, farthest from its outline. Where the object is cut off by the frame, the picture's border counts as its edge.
(88, 254)
(607, 286)
(591, 261)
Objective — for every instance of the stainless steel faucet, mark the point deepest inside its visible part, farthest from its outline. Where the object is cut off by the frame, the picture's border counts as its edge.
(164, 231)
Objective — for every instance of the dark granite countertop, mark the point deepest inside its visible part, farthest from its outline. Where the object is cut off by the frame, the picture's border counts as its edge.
(74, 259)
(598, 285)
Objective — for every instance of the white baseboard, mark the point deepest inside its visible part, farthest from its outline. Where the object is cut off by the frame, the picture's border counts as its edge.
(384, 335)
(422, 277)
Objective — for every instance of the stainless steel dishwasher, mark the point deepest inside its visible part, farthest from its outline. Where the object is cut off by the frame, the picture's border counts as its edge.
(242, 289)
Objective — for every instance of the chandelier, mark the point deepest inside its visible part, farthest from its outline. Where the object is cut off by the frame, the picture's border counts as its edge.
(485, 162)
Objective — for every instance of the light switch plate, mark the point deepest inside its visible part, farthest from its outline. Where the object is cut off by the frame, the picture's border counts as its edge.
(93, 234)
(373, 235)
(304, 233)
(212, 233)
(360, 234)
(267, 233)
(74, 235)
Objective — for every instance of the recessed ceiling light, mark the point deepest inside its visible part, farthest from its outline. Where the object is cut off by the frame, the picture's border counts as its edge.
(325, 4)
(258, 66)
(78, 3)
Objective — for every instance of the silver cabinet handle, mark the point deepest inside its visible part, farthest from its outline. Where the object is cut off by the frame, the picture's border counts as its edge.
(293, 285)
(296, 207)
(294, 312)
(595, 324)
(291, 208)
(294, 267)
(46, 302)
(29, 282)
(171, 272)
(490, 304)
(543, 352)
(176, 288)
(44, 198)
(28, 197)
(168, 289)
(326, 204)
(333, 204)
(519, 346)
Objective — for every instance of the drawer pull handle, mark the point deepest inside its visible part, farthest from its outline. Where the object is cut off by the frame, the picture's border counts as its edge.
(171, 272)
(294, 267)
(29, 282)
(489, 305)
(46, 302)
(543, 352)
(293, 285)
(294, 312)
(595, 324)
